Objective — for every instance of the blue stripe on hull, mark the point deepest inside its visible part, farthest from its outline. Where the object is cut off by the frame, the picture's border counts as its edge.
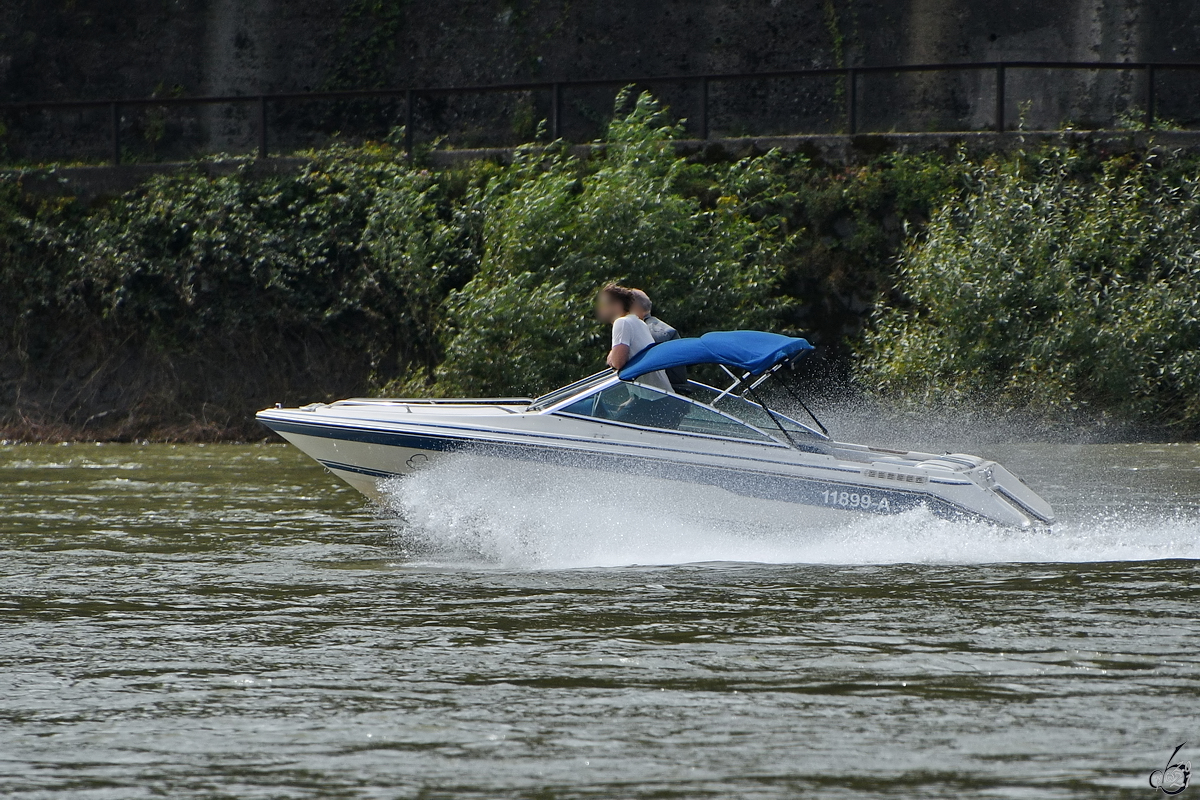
(368, 436)
(762, 485)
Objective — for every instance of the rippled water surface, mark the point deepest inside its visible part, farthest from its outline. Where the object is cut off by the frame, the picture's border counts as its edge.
(229, 622)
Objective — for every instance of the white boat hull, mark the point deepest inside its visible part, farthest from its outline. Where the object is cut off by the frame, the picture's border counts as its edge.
(365, 442)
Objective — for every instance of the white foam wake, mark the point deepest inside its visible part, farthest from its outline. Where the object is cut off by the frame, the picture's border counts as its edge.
(482, 510)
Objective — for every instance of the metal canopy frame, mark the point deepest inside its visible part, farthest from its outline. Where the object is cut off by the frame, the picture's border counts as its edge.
(751, 382)
(746, 384)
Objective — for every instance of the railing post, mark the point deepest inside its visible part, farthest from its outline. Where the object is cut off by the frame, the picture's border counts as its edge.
(1150, 97)
(556, 111)
(704, 108)
(852, 100)
(114, 121)
(408, 123)
(1000, 98)
(262, 126)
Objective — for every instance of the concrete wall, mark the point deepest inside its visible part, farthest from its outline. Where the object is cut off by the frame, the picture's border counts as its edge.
(135, 48)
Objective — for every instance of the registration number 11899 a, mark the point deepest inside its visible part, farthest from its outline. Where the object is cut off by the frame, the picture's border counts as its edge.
(854, 500)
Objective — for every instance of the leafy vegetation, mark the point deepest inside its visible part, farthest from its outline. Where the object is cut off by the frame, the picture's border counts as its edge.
(1058, 284)
(553, 235)
(1057, 280)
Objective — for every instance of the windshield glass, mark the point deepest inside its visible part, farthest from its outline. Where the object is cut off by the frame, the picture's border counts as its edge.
(747, 411)
(578, 387)
(647, 407)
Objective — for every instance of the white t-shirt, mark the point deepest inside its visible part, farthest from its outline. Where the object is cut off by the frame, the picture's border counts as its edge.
(630, 331)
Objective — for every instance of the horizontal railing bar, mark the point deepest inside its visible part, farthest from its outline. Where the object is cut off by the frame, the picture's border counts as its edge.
(491, 88)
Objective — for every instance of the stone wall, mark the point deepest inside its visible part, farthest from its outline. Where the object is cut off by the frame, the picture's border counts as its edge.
(68, 49)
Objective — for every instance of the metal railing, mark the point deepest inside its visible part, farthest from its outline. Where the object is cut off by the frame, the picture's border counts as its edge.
(850, 75)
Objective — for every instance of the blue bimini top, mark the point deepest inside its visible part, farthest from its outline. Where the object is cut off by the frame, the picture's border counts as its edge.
(752, 351)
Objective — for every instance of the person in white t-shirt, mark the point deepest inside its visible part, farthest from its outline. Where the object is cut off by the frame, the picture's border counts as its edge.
(630, 335)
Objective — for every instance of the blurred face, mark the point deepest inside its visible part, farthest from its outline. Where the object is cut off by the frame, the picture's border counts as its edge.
(608, 310)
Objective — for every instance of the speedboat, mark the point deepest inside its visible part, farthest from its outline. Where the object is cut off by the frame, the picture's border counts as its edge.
(727, 438)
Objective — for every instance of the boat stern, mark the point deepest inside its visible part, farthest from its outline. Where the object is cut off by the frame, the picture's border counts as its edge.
(1003, 497)
(959, 484)
(1018, 494)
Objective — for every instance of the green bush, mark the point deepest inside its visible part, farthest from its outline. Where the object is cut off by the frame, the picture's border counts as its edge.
(847, 225)
(356, 246)
(33, 249)
(555, 231)
(1054, 284)
(203, 295)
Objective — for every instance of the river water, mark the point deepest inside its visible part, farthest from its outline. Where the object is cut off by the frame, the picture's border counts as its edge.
(229, 622)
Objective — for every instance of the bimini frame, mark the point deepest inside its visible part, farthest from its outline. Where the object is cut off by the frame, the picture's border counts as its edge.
(751, 382)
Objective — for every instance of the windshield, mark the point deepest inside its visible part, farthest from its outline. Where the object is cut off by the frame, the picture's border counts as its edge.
(747, 411)
(578, 387)
(628, 403)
